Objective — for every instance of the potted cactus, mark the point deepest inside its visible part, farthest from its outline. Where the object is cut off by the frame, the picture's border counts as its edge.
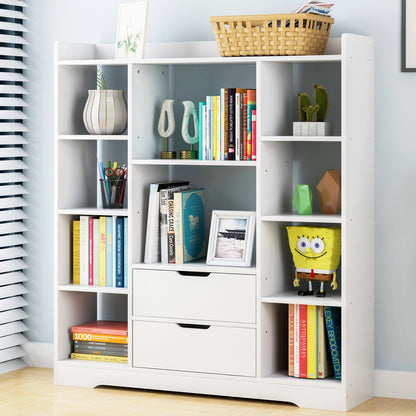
(312, 117)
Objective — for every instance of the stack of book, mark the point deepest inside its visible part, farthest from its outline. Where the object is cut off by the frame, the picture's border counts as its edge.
(175, 223)
(314, 341)
(100, 251)
(100, 341)
(227, 125)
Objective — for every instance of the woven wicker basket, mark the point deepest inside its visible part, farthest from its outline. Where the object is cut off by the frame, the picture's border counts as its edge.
(271, 34)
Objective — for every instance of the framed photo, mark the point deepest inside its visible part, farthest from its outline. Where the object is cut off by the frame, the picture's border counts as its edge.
(231, 238)
(408, 35)
(131, 30)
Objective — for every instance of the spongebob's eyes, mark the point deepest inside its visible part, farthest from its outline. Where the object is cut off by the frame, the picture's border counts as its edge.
(303, 243)
(317, 245)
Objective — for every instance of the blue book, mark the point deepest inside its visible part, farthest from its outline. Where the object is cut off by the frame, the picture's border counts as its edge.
(201, 117)
(126, 260)
(332, 317)
(189, 225)
(109, 251)
(119, 252)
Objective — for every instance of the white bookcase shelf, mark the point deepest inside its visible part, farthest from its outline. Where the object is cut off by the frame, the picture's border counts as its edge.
(210, 329)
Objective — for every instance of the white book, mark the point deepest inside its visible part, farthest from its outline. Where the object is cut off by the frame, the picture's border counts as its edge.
(296, 341)
(83, 253)
(204, 132)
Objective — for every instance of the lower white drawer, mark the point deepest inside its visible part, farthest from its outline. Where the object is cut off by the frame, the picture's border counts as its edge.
(198, 348)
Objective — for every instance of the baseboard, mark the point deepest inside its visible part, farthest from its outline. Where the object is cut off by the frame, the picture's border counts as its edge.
(395, 384)
(38, 354)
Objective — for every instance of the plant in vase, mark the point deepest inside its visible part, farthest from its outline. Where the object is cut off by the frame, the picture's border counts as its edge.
(105, 111)
(312, 117)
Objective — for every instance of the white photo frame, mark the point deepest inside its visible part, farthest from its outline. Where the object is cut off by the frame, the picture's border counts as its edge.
(131, 30)
(231, 238)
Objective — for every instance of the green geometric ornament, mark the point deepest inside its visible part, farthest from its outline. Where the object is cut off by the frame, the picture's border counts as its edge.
(302, 200)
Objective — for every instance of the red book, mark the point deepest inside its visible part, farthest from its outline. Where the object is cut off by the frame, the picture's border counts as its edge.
(90, 251)
(303, 338)
(102, 327)
(254, 135)
(245, 126)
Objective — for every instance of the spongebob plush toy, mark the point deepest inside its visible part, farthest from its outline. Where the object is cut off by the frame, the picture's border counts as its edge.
(316, 252)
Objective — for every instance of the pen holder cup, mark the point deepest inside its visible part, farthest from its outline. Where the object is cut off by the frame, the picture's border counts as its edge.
(112, 192)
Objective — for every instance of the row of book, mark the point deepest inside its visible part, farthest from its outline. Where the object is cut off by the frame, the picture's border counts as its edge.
(175, 223)
(100, 341)
(100, 251)
(314, 341)
(227, 125)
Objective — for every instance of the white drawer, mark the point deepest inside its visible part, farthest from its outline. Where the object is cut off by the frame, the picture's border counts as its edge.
(209, 349)
(216, 297)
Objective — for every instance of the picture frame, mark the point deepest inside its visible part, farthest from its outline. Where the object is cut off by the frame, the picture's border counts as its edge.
(231, 238)
(131, 30)
(408, 57)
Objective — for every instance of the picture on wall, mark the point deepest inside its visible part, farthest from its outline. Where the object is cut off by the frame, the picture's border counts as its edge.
(131, 30)
(408, 35)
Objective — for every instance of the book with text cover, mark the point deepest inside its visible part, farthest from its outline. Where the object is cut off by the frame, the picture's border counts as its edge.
(231, 123)
(324, 365)
(254, 135)
(291, 334)
(303, 340)
(103, 250)
(87, 336)
(75, 253)
(102, 327)
(312, 361)
(105, 358)
(333, 327)
(90, 251)
(251, 106)
(126, 251)
(296, 341)
(96, 251)
(119, 238)
(83, 253)
(189, 225)
(109, 251)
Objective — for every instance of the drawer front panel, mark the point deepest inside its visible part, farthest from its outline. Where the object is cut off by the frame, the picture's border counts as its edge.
(213, 349)
(216, 297)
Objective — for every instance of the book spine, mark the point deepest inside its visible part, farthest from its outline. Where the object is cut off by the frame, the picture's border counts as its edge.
(333, 339)
(88, 336)
(96, 252)
(164, 195)
(114, 252)
(177, 203)
(291, 330)
(254, 134)
(231, 124)
(303, 340)
(237, 126)
(94, 344)
(75, 252)
(222, 125)
(296, 341)
(324, 370)
(109, 251)
(119, 252)
(83, 254)
(171, 231)
(245, 126)
(204, 132)
(152, 245)
(103, 250)
(90, 251)
(214, 127)
(106, 358)
(209, 127)
(311, 343)
(226, 124)
(113, 353)
(218, 137)
(251, 105)
(200, 129)
(126, 252)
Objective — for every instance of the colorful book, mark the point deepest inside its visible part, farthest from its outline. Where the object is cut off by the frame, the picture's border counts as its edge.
(324, 367)
(90, 251)
(96, 344)
(291, 335)
(254, 134)
(119, 252)
(208, 144)
(92, 357)
(204, 132)
(303, 340)
(251, 106)
(245, 126)
(102, 327)
(112, 353)
(109, 251)
(218, 136)
(126, 251)
(222, 125)
(237, 125)
(114, 252)
(87, 336)
(75, 252)
(103, 251)
(333, 327)
(312, 346)
(189, 225)
(171, 231)
(83, 253)
(296, 341)
(214, 127)
(96, 251)
(226, 123)
(231, 123)
(200, 129)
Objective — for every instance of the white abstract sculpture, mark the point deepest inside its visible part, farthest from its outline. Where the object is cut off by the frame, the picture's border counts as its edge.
(167, 131)
(189, 111)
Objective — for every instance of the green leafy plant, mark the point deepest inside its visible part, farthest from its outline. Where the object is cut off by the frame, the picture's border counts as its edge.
(320, 107)
(101, 85)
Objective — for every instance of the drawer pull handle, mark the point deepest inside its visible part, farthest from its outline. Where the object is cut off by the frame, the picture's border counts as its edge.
(194, 326)
(197, 274)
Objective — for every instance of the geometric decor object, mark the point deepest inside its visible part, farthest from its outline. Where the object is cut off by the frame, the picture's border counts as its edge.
(302, 200)
(329, 192)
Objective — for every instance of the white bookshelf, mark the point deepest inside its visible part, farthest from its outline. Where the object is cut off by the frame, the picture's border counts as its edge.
(236, 346)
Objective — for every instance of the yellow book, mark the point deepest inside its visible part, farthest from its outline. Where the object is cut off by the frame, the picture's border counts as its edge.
(92, 357)
(103, 251)
(76, 275)
(214, 127)
(312, 359)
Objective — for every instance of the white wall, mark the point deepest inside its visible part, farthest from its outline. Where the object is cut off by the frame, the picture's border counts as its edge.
(180, 20)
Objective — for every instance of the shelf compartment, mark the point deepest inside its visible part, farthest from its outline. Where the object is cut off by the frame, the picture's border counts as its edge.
(281, 377)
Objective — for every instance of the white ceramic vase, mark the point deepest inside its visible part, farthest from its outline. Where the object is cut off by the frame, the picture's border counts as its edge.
(105, 112)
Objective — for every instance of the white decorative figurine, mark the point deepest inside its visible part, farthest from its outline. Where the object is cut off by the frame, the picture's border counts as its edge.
(165, 132)
(190, 111)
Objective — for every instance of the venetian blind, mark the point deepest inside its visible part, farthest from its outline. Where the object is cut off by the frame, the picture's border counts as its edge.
(12, 180)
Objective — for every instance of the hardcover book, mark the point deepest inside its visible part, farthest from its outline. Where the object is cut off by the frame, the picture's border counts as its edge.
(96, 251)
(102, 253)
(102, 327)
(75, 253)
(83, 256)
(333, 327)
(296, 341)
(291, 334)
(119, 252)
(324, 367)
(109, 251)
(303, 340)
(251, 105)
(312, 363)
(189, 225)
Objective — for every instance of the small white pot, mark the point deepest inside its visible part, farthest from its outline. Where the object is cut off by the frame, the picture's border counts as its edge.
(105, 112)
(311, 128)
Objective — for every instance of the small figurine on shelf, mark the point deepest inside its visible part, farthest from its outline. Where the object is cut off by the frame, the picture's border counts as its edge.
(316, 253)
(302, 200)
(167, 131)
(189, 111)
(329, 192)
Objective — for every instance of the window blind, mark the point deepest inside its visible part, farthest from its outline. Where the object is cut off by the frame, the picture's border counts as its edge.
(12, 184)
